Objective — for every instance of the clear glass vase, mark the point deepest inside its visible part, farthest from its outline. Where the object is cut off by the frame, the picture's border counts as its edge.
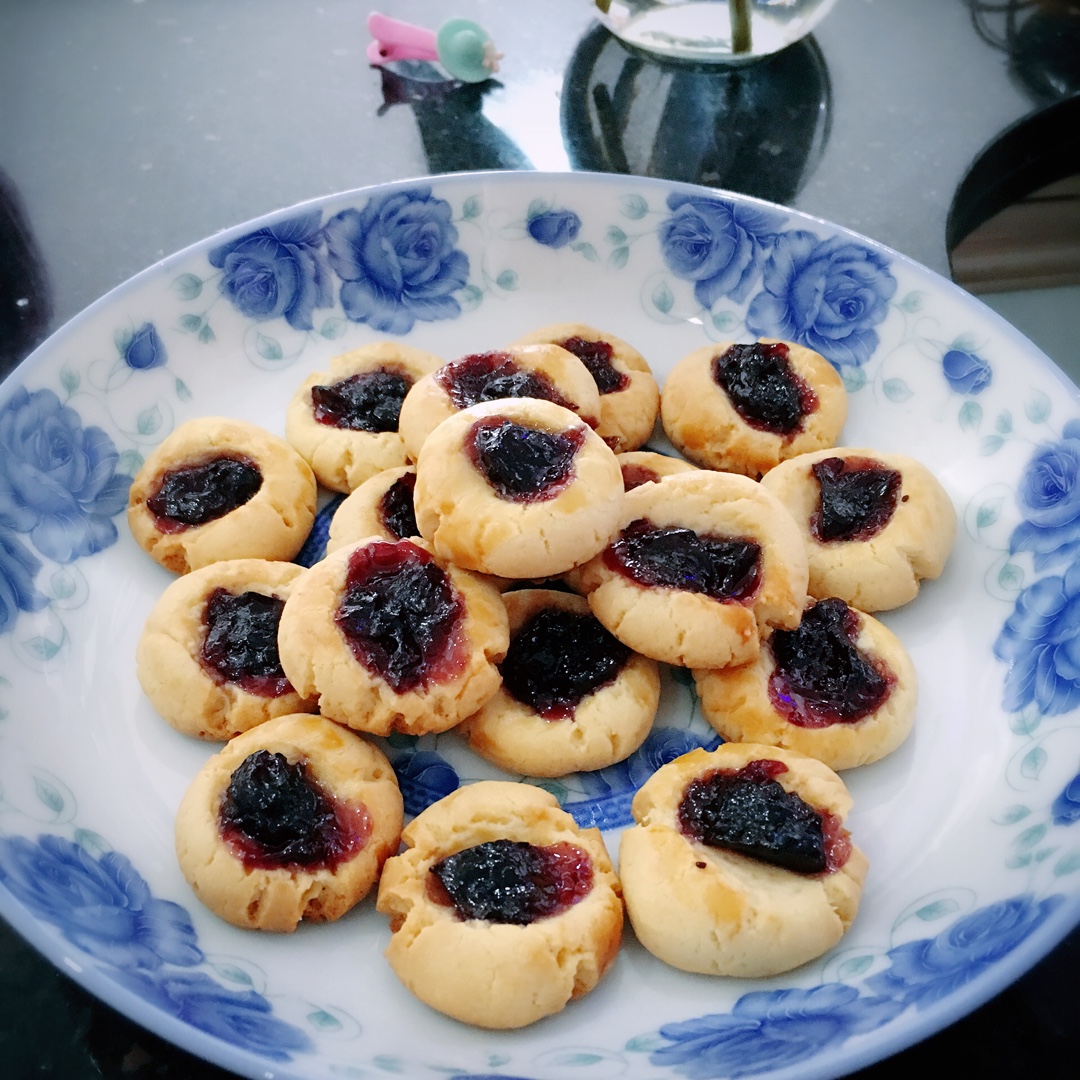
(712, 31)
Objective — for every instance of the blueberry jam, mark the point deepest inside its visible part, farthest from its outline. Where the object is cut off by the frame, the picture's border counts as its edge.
(396, 507)
(240, 642)
(596, 356)
(196, 494)
(508, 881)
(763, 388)
(402, 617)
(749, 812)
(858, 498)
(723, 568)
(523, 464)
(276, 814)
(368, 401)
(494, 375)
(635, 475)
(821, 677)
(559, 657)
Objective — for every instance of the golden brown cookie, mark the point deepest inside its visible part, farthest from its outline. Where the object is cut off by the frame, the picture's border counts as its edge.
(245, 852)
(629, 396)
(904, 523)
(221, 489)
(573, 698)
(207, 658)
(705, 566)
(344, 421)
(543, 372)
(380, 506)
(708, 908)
(745, 408)
(519, 488)
(389, 637)
(841, 688)
(477, 966)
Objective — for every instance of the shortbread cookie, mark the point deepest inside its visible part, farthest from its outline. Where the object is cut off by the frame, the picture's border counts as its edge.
(519, 488)
(875, 525)
(502, 910)
(573, 697)
(705, 566)
(291, 820)
(208, 657)
(389, 637)
(629, 396)
(221, 489)
(739, 863)
(646, 466)
(544, 372)
(344, 421)
(745, 408)
(840, 688)
(381, 506)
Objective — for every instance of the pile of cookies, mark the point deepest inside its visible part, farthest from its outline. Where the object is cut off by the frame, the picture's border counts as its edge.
(510, 563)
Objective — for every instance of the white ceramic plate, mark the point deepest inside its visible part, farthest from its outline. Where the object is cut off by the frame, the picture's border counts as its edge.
(970, 827)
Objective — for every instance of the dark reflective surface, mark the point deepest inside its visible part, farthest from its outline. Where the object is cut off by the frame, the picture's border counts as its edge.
(25, 303)
(757, 128)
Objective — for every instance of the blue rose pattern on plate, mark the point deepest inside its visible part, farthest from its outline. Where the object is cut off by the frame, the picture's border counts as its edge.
(390, 262)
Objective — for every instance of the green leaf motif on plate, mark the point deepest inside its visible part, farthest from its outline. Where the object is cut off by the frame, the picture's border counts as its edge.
(48, 795)
(388, 1063)
(663, 298)
(988, 513)
(619, 258)
(970, 415)
(472, 208)
(634, 207)
(149, 421)
(1033, 763)
(62, 584)
(965, 343)
(234, 974)
(936, 910)
(41, 648)
(615, 236)
(896, 390)
(577, 1059)
(190, 324)
(131, 461)
(1004, 423)
(724, 320)
(645, 1044)
(1013, 814)
(559, 790)
(91, 842)
(182, 391)
(188, 286)
(853, 378)
(1037, 407)
(333, 327)
(324, 1021)
(586, 249)
(507, 280)
(1067, 864)
(852, 969)
(1026, 721)
(911, 303)
(1010, 576)
(469, 298)
(536, 208)
(69, 380)
(1018, 862)
(122, 339)
(206, 335)
(1030, 837)
(990, 444)
(267, 347)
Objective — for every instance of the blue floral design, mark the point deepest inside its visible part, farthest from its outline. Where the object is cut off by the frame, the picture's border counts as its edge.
(966, 372)
(1049, 498)
(554, 228)
(768, 1030)
(145, 350)
(1040, 641)
(58, 480)
(925, 971)
(825, 294)
(660, 746)
(424, 777)
(244, 1019)
(100, 905)
(718, 244)
(1066, 807)
(398, 260)
(17, 569)
(277, 271)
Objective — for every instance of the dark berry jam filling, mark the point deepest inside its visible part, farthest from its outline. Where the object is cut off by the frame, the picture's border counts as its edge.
(494, 375)
(749, 812)
(523, 464)
(596, 356)
(196, 494)
(763, 388)
(821, 676)
(508, 881)
(402, 616)
(240, 642)
(858, 498)
(275, 814)
(396, 507)
(723, 568)
(559, 657)
(635, 475)
(368, 401)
